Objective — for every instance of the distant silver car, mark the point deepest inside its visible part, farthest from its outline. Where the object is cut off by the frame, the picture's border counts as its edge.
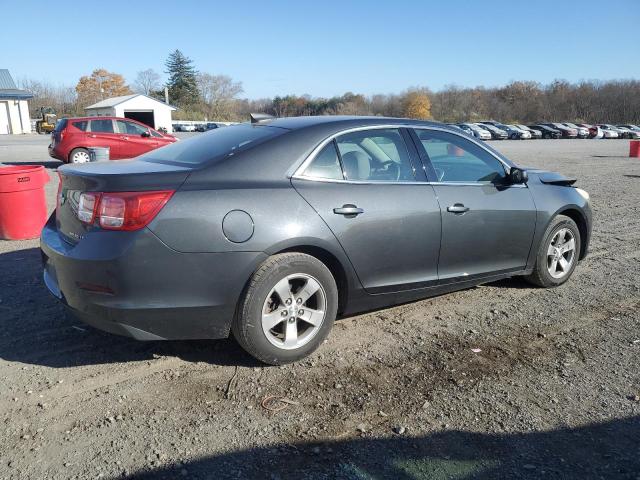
(474, 130)
(534, 133)
(629, 132)
(516, 133)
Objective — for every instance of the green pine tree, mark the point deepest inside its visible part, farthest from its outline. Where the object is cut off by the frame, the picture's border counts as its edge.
(183, 90)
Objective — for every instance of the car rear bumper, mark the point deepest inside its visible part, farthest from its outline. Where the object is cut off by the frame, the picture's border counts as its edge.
(132, 284)
(54, 153)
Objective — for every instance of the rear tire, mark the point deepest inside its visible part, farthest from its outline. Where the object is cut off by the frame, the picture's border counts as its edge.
(79, 155)
(287, 310)
(557, 255)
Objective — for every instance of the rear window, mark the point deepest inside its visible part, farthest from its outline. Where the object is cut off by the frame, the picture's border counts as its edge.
(81, 125)
(214, 145)
(60, 125)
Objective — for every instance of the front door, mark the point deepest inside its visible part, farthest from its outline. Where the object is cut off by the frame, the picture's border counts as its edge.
(487, 224)
(364, 187)
(135, 139)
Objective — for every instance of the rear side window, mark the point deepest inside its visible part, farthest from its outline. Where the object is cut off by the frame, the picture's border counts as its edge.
(375, 155)
(103, 126)
(326, 164)
(81, 125)
(60, 125)
(215, 145)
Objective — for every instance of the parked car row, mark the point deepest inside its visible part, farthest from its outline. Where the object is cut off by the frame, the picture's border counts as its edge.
(491, 130)
(197, 127)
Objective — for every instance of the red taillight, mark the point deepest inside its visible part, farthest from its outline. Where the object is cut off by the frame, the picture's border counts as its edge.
(122, 210)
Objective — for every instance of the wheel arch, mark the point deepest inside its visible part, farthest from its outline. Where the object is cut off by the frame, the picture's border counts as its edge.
(332, 262)
(581, 221)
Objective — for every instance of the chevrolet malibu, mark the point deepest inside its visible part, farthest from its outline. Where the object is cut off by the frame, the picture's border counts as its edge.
(270, 230)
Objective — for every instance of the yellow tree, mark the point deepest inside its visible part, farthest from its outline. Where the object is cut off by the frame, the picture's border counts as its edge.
(416, 104)
(99, 85)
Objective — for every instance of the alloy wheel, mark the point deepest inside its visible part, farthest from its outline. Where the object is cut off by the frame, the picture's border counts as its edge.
(294, 311)
(561, 253)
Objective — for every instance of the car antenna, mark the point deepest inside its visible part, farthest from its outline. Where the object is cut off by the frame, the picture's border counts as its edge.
(260, 117)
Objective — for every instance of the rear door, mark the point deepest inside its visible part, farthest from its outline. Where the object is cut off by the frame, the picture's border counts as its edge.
(487, 224)
(135, 139)
(380, 208)
(101, 133)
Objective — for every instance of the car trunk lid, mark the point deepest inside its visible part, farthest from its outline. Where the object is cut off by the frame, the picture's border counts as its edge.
(122, 176)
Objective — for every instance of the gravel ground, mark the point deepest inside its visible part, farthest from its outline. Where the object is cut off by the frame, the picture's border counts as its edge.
(398, 393)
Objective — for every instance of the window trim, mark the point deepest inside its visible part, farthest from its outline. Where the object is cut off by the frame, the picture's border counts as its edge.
(298, 172)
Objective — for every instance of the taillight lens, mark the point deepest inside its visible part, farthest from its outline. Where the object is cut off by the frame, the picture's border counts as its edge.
(122, 210)
(87, 207)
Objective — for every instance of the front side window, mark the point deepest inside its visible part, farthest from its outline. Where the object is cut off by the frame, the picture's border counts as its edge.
(130, 128)
(103, 126)
(456, 159)
(375, 155)
(326, 164)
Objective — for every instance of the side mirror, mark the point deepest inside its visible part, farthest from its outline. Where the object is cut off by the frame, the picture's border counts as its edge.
(145, 134)
(518, 176)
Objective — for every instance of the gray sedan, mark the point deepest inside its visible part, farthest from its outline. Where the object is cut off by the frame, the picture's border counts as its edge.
(271, 230)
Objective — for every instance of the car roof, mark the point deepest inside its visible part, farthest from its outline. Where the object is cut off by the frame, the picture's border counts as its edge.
(101, 117)
(342, 121)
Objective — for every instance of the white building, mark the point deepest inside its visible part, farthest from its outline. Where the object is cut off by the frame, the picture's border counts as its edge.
(138, 107)
(14, 108)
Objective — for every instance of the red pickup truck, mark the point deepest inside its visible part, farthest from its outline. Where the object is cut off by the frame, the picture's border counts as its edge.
(125, 138)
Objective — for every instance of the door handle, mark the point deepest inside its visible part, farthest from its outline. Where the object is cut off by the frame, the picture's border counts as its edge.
(92, 136)
(457, 208)
(124, 138)
(348, 210)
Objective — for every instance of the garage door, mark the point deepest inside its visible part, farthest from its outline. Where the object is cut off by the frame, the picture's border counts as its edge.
(145, 117)
(4, 118)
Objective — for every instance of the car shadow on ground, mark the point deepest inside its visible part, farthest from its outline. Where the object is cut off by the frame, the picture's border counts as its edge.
(36, 329)
(604, 450)
(53, 164)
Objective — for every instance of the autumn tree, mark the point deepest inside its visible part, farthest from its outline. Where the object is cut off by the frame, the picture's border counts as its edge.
(147, 81)
(182, 83)
(99, 85)
(416, 104)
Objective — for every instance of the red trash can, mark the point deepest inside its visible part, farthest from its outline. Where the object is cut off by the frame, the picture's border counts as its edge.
(23, 206)
(634, 148)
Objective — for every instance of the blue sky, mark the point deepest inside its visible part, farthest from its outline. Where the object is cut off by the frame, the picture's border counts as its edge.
(325, 48)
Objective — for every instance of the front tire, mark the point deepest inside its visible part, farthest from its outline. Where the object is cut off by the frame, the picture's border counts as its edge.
(287, 310)
(558, 253)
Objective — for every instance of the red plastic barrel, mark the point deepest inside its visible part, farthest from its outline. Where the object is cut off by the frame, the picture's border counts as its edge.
(23, 207)
(634, 148)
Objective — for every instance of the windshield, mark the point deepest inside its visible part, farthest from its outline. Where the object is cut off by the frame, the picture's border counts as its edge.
(214, 145)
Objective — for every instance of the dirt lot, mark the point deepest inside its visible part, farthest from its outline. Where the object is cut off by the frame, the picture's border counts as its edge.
(554, 392)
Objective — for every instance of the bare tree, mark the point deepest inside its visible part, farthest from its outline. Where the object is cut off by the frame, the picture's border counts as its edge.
(147, 81)
(218, 93)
